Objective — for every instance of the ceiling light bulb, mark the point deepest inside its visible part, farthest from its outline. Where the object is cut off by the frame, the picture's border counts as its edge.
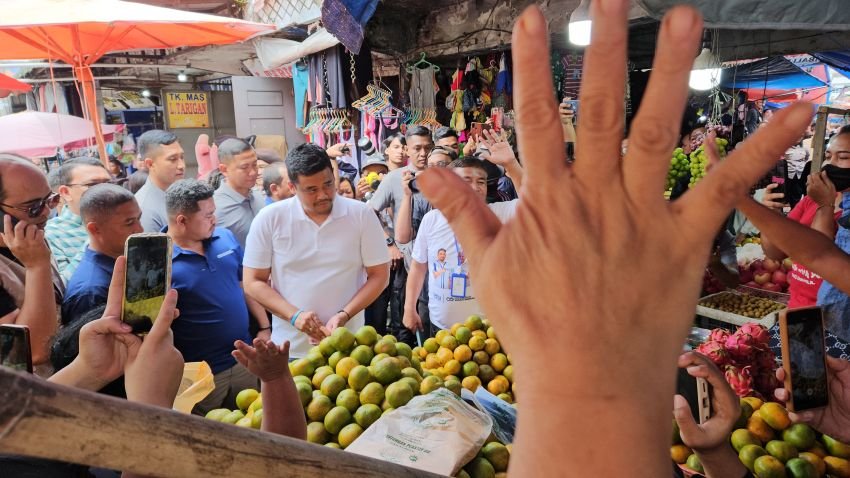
(181, 77)
(146, 93)
(705, 73)
(580, 24)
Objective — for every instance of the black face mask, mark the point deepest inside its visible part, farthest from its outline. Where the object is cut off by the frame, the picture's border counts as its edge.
(840, 177)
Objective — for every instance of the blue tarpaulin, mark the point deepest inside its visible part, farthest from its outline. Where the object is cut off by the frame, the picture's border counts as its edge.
(775, 73)
(838, 60)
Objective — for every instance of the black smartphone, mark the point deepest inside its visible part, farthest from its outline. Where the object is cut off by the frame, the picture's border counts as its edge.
(780, 188)
(697, 392)
(804, 358)
(15, 351)
(147, 279)
(3, 215)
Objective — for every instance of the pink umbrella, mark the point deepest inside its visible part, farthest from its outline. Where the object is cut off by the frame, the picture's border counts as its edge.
(34, 134)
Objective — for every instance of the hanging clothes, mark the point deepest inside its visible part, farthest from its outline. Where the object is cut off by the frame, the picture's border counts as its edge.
(327, 83)
(423, 88)
(300, 80)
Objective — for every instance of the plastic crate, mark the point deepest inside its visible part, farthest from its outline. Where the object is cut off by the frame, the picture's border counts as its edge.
(727, 317)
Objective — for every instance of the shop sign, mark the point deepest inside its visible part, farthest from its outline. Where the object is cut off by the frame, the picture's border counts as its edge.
(187, 109)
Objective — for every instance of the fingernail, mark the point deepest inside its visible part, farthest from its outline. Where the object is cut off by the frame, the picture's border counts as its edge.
(532, 20)
(681, 23)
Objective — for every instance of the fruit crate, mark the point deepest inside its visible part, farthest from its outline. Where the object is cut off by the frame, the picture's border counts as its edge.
(766, 294)
(728, 317)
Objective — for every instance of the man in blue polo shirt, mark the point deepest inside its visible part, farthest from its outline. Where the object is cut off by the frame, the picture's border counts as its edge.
(109, 214)
(206, 271)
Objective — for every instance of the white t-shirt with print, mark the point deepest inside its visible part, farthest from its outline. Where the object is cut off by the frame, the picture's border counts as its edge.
(451, 296)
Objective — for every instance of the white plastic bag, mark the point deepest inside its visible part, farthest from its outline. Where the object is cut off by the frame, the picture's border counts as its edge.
(438, 432)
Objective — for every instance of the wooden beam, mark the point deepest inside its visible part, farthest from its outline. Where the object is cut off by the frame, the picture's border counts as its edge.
(41, 419)
(819, 138)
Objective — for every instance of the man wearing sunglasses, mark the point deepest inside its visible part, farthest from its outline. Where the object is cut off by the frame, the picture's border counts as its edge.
(30, 286)
(66, 235)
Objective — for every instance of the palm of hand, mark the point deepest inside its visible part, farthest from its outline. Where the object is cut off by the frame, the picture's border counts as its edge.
(106, 356)
(501, 153)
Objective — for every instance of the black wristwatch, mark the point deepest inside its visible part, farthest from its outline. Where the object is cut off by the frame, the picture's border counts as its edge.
(390, 241)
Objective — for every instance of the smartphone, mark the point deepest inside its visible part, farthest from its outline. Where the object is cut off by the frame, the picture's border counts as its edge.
(147, 279)
(697, 392)
(15, 351)
(573, 106)
(478, 128)
(3, 215)
(804, 358)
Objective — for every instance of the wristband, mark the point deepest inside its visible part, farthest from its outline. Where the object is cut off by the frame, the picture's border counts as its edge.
(265, 328)
(347, 315)
(295, 317)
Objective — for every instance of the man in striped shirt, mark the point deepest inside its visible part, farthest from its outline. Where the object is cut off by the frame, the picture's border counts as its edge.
(66, 235)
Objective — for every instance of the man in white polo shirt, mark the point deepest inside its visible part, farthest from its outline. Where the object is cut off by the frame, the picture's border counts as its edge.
(326, 256)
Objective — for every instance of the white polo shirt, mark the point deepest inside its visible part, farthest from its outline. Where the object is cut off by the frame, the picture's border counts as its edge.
(318, 268)
(451, 297)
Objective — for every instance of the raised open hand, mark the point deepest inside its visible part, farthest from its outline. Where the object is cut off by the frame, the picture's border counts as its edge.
(614, 270)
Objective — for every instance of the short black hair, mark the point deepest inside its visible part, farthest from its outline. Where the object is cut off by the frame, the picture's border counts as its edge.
(272, 175)
(398, 136)
(101, 199)
(418, 131)
(844, 130)
(231, 148)
(11, 159)
(468, 162)
(66, 171)
(306, 160)
(349, 181)
(149, 141)
(136, 181)
(183, 196)
(452, 154)
(445, 132)
(215, 179)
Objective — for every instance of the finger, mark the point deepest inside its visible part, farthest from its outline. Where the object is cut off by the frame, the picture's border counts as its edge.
(538, 127)
(655, 129)
(837, 366)
(474, 224)
(602, 89)
(706, 206)
(709, 145)
(161, 329)
(115, 296)
(284, 348)
(700, 371)
(108, 325)
(684, 417)
(781, 394)
(246, 350)
(324, 332)
(780, 374)
(240, 357)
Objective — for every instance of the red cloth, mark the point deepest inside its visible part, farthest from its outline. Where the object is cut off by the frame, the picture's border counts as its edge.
(803, 284)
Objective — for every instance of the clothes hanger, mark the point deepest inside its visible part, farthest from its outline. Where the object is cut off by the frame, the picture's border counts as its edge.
(422, 63)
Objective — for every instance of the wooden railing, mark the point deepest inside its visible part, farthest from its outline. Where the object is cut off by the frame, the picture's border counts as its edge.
(44, 420)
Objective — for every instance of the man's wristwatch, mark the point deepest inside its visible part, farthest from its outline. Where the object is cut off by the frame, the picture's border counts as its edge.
(390, 242)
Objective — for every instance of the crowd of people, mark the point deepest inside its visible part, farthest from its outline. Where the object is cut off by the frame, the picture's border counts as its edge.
(590, 267)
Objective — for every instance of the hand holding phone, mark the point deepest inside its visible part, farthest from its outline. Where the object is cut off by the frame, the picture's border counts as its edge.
(804, 358)
(147, 279)
(15, 349)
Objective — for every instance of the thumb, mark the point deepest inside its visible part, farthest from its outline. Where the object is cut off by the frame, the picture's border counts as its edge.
(684, 417)
(162, 325)
(108, 325)
(469, 217)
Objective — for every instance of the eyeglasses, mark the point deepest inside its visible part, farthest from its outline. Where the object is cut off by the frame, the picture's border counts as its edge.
(50, 201)
(94, 183)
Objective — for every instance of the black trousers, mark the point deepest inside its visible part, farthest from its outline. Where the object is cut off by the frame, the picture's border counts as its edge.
(378, 312)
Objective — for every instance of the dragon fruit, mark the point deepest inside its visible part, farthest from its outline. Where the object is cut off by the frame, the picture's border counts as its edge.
(759, 334)
(716, 352)
(719, 335)
(740, 379)
(740, 346)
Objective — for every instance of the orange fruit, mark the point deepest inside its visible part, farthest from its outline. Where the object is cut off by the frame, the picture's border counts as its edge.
(471, 383)
(491, 346)
(816, 461)
(754, 402)
(498, 385)
(775, 415)
(444, 355)
(680, 453)
(838, 467)
(759, 429)
(463, 353)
